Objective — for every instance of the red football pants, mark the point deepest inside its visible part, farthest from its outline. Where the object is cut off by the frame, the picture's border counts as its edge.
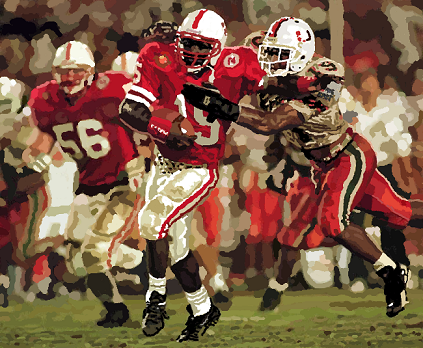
(322, 203)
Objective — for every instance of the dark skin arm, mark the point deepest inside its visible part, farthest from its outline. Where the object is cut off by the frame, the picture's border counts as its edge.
(267, 123)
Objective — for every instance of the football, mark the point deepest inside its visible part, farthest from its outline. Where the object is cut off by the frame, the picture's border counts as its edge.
(171, 115)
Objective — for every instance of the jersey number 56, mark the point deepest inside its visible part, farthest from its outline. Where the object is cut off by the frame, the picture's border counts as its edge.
(95, 146)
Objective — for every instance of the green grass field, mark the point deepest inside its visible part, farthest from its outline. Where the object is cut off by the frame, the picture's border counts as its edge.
(310, 318)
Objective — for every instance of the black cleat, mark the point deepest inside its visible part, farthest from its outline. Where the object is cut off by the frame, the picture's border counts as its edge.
(154, 314)
(195, 324)
(117, 315)
(395, 289)
(4, 302)
(222, 300)
(271, 299)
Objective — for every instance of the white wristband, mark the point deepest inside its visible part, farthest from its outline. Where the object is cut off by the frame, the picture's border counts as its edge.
(40, 163)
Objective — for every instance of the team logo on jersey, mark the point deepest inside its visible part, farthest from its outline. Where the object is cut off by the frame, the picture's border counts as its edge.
(102, 82)
(231, 60)
(333, 90)
(162, 60)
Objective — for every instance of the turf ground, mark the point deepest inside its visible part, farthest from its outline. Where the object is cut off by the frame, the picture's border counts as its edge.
(310, 318)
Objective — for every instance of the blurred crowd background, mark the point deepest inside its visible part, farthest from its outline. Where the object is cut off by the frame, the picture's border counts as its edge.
(379, 41)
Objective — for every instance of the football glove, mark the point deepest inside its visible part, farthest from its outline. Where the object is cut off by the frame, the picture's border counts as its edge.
(177, 139)
(211, 101)
(169, 130)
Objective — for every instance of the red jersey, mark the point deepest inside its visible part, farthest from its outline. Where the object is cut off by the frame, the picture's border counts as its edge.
(88, 130)
(159, 79)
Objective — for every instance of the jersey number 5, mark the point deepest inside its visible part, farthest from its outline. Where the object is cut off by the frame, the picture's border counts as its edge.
(201, 120)
(96, 146)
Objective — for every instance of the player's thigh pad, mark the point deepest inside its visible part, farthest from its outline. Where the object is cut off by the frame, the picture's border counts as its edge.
(110, 230)
(172, 195)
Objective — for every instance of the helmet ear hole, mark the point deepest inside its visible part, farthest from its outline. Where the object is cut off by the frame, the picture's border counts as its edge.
(302, 57)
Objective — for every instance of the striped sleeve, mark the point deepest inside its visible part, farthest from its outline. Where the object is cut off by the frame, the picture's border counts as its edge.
(146, 83)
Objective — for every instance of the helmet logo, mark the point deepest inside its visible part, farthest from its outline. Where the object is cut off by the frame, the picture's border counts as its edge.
(162, 60)
(231, 60)
(298, 33)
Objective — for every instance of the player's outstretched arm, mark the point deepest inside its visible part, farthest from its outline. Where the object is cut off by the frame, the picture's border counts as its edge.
(209, 99)
(267, 123)
(297, 87)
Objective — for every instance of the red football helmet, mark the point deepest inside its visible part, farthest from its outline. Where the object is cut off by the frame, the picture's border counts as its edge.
(200, 39)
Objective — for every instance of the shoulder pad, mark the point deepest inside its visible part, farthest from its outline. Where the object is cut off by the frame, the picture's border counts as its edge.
(117, 75)
(112, 84)
(254, 40)
(328, 66)
(41, 94)
(239, 61)
(159, 55)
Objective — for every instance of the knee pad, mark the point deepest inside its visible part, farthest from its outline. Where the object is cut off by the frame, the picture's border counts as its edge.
(126, 257)
(153, 216)
(74, 261)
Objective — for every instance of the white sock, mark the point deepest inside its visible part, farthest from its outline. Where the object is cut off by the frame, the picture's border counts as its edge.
(199, 301)
(5, 281)
(273, 284)
(155, 284)
(383, 261)
(218, 283)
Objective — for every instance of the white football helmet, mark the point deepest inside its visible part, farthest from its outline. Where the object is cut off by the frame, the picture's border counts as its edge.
(125, 62)
(287, 47)
(74, 55)
(203, 26)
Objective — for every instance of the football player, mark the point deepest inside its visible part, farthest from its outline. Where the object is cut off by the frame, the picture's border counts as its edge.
(79, 109)
(280, 173)
(125, 62)
(343, 173)
(17, 181)
(188, 150)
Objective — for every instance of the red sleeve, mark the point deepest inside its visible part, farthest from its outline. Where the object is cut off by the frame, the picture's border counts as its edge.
(37, 100)
(154, 60)
(240, 61)
(32, 103)
(119, 82)
(238, 70)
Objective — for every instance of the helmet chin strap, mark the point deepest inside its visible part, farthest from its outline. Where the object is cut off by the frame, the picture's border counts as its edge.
(199, 69)
(75, 89)
(194, 70)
